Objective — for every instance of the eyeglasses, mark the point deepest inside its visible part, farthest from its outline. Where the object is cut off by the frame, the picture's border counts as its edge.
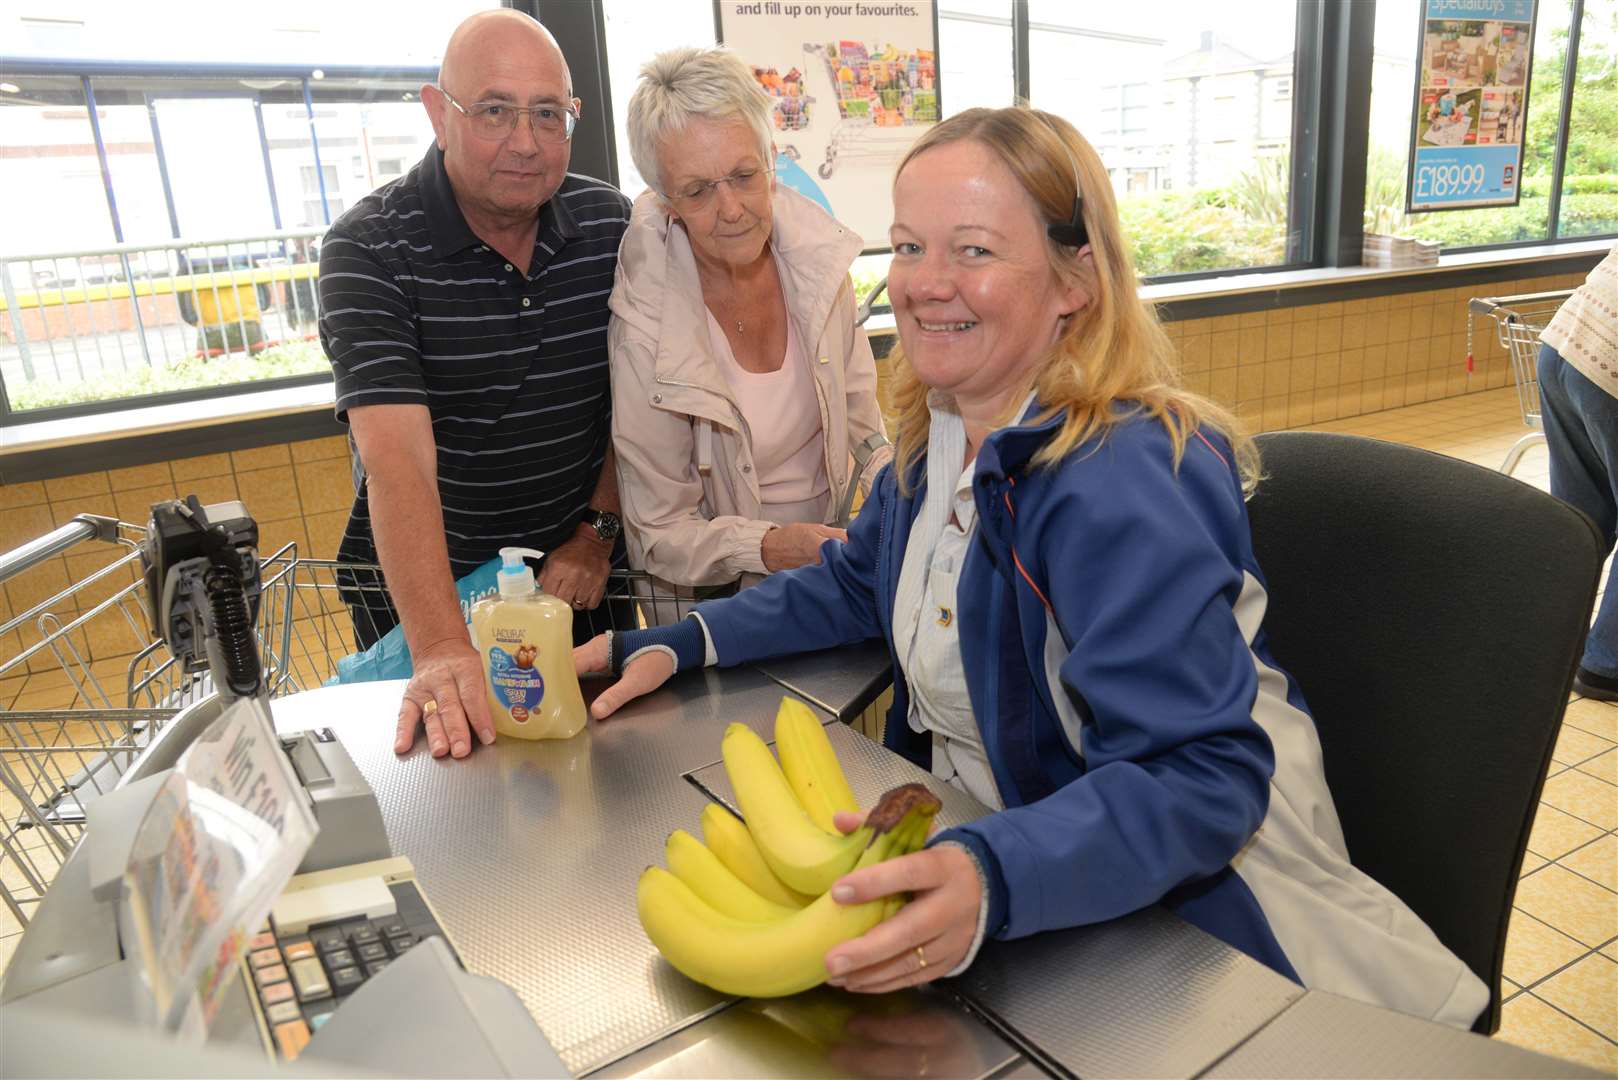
(698, 194)
(495, 121)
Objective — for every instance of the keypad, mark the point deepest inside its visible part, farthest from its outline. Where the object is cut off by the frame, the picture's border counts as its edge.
(302, 979)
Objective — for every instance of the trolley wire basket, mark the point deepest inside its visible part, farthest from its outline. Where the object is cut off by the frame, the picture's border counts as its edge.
(113, 685)
(1518, 323)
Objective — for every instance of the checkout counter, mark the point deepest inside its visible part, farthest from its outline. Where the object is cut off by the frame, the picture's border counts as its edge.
(528, 853)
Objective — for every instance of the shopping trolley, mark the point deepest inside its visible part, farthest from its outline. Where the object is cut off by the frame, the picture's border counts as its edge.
(878, 96)
(791, 108)
(1518, 322)
(92, 642)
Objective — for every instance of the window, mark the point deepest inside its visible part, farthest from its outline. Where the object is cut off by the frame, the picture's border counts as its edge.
(636, 31)
(1589, 204)
(400, 34)
(187, 302)
(1398, 26)
(1190, 108)
(974, 55)
(51, 148)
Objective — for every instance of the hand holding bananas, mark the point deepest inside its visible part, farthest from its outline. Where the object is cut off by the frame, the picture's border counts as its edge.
(941, 919)
(756, 910)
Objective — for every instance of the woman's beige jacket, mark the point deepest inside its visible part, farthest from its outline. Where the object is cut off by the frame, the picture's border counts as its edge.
(691, 507)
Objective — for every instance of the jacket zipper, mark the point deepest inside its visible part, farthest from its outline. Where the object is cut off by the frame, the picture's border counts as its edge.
(740, 419)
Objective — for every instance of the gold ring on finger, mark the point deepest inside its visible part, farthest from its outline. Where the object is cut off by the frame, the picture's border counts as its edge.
(429, 708)
(921, 955)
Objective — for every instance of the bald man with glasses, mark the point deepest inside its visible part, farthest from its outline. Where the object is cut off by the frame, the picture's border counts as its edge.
(464, 310)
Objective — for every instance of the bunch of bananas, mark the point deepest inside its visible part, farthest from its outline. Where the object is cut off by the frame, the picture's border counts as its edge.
(748, 911)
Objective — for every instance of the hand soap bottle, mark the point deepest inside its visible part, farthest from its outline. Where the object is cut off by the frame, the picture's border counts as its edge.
(526, 638)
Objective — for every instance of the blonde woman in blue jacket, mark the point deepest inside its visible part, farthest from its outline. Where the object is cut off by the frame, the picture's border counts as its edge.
(1060, 561)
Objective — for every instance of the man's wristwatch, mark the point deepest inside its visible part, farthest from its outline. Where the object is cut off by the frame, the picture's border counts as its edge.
(605, 523)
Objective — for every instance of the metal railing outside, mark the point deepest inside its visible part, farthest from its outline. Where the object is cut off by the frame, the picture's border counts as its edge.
(74, 317)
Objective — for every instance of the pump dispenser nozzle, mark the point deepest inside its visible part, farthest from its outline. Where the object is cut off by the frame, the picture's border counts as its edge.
(514, 577)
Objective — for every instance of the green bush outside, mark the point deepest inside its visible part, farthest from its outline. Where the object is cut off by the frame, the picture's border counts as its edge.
(278, 362)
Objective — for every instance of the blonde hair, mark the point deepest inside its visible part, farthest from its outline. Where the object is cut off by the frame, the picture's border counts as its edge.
(1111, 351)
(685, 84)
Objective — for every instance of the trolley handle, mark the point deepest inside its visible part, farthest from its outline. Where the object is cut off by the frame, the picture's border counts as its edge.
(864, 312)
(1506, 308)
(83, 527)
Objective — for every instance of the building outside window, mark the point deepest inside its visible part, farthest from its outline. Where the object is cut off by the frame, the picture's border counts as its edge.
(314, 211)
(1190, 108)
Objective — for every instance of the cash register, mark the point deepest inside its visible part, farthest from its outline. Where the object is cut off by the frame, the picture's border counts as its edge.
(234, 906)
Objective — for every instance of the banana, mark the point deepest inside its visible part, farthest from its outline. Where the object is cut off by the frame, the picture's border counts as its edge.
(802, 854)
(700, 869)
(732, 844)
(756, 959)
(811, 765)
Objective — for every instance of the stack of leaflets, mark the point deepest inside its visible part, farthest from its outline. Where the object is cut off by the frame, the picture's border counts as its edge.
(1398, 251)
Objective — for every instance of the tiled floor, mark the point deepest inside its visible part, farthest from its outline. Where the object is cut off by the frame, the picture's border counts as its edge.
(1561, 966)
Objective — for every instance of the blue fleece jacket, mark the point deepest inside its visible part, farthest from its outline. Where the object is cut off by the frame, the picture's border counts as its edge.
(1112, 684)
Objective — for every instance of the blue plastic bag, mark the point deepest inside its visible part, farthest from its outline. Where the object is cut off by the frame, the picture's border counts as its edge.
(389, 658)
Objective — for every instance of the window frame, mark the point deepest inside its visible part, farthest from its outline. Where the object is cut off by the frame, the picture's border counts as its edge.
(1331, 102)
(369, 84)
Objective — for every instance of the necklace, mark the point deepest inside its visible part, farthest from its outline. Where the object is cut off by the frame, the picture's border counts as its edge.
(739, 326)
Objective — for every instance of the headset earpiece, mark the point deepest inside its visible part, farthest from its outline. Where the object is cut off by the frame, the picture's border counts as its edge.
(1071, 233)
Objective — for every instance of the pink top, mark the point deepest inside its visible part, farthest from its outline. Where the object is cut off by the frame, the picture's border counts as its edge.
(783, 416)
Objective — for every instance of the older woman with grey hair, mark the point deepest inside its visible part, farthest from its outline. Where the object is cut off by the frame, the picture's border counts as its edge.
(743, 393)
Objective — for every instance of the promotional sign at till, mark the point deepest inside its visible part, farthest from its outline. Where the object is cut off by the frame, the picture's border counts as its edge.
(852, 85)
(1471, 104)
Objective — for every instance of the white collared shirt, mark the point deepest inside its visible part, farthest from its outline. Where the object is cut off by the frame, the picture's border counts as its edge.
(926, 622)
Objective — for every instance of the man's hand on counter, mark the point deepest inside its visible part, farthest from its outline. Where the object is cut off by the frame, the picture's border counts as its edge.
(446, 696)
(641, 676)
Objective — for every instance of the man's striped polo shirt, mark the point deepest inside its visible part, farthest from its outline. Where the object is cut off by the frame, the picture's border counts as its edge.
(415, 309)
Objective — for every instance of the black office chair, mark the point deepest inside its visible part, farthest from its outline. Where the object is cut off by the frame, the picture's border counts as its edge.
(1433, 613)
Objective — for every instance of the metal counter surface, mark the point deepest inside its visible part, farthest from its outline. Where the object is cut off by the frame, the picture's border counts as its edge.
(1145, 995)
(827, 1033)
(842, 681)
(1325, 1035)
(530, 853)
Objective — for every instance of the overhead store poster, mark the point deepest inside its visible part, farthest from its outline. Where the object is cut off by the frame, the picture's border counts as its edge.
(1471, 104)
(853, 84)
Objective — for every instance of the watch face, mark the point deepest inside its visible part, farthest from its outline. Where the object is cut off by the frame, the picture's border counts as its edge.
(606, 525)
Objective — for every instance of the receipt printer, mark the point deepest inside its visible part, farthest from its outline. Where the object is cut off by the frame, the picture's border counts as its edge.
(351, 828)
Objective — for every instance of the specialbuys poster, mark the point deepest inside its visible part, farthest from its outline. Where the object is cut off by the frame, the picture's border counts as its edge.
(854, 83)
(1471, 104)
